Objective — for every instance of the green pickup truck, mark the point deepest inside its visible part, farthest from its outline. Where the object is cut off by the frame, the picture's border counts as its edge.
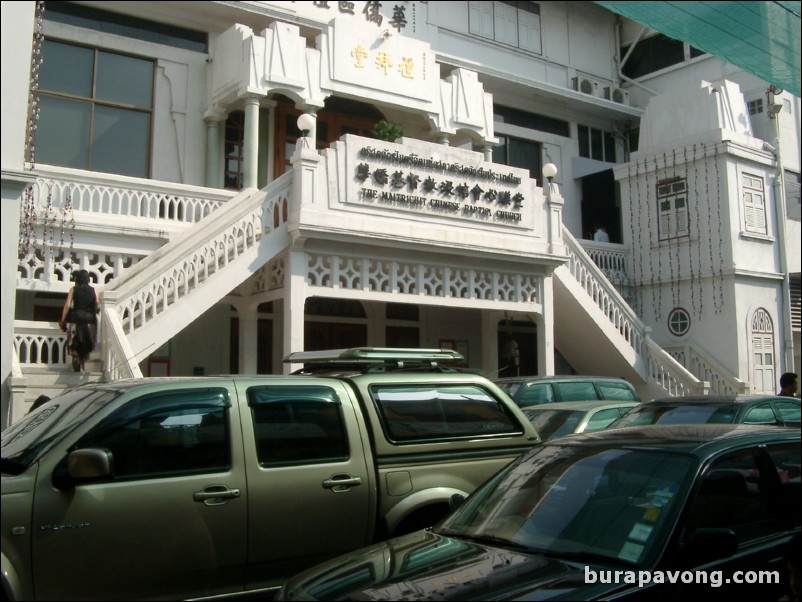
(177, 488)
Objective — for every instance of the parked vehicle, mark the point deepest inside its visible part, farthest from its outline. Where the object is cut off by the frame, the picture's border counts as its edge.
(726, 409)
(616, 514)
(191, 487)
(535, 390)
(554, 420)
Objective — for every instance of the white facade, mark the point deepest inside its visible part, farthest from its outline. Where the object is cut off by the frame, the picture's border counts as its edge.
(446, 246)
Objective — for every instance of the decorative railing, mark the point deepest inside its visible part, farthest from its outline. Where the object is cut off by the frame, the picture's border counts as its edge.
(412, 278)
(163, 279)
(591, 277)
(59, 223)
(660, 366)
(123, 196)
(705, 368)
(40, 345)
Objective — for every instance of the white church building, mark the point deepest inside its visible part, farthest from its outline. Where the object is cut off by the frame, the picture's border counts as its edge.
(246, 179)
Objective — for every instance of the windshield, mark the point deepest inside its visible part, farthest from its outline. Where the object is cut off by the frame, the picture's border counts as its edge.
(685, 414)
(611, 504)
(551, 424)
(25, 440)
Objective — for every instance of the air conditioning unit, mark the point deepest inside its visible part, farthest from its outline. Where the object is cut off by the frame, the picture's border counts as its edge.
(618, 95)
(586, 86)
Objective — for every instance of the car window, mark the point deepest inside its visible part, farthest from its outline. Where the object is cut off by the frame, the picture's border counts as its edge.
(535, 394)
(602, 419)
(762, 414)
(576, 391)
(440, 411)
(789, 412)
(684, 414)
(550, 424)
(737, 492)
(789, 496)
(183, 432)
(617, 391)
(297, 425)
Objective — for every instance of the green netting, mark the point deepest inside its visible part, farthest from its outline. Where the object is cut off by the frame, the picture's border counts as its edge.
(762, 38)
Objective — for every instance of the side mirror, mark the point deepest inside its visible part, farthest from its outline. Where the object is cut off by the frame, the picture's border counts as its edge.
(90, 463)
(708, 544)
(83, 465)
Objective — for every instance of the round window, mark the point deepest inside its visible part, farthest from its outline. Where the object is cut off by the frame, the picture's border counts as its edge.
(679, 322)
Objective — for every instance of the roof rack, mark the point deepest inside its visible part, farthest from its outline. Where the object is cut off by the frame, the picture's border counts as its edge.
(373, 355)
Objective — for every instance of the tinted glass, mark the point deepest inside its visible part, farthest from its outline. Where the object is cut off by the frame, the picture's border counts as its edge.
(576, 391)
(565, 501)
(789, 412)
(535, 394)
(440, 411)
(66, 69)
(551, 424)
(184, 432)
(62, 134)
(689, 414)
(120, 141)
(124, 80)
(617, 391)
(602, 419)
(297, 425)
(762, 414)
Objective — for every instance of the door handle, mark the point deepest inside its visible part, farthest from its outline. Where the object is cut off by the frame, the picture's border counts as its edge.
(341, 482)
(214, 495)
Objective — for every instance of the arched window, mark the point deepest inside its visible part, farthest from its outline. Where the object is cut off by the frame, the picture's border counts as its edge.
(763, 380)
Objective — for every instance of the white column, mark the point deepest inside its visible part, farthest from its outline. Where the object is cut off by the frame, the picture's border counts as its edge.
(248, 337)
(294, 301)
(490, 321)
(212, 152)
(545, 329)
(250, 155)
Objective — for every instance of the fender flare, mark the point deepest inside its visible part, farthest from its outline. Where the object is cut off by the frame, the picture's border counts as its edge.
(417, 500)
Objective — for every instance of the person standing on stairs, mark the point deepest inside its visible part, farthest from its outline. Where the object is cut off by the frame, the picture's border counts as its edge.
(80, 313)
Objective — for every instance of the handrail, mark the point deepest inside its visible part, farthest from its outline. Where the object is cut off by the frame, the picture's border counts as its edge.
(182, 266)
(660, 367)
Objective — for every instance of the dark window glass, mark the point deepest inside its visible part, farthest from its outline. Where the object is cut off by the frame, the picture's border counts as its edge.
(440, 411)
(653, 54)
(602, 419)
(609, 147)
(535, 394)
(95, 110)
(737, 493)
(70, 13)
(166, 434)
(789, 412)
(297, 425)
(596, 146)
(762, 414)
(532, 121)
(234, 146)
(584, 141)
(618, 392)
(576, 391)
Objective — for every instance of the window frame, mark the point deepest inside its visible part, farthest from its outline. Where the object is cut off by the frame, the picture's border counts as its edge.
(674, 219)
(487, 20)
(95, 104)
(755, 212)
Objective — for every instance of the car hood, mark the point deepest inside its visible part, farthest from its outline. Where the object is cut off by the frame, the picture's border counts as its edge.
(428, 566)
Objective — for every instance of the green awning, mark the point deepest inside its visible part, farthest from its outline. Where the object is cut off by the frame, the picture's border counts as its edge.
(762, 38)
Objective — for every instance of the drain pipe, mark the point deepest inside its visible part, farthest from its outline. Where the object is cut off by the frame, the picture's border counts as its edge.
(788, 334)
(620, 62)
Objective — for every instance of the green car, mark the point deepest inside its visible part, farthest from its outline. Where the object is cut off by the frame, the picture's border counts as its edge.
(644, 513)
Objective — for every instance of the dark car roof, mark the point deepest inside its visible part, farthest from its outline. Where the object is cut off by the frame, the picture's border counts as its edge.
(741, 398)
(697, 439)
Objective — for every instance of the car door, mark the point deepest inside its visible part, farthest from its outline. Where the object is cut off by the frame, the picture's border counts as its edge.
(171, 520)
(750, 494)
(312, 493)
